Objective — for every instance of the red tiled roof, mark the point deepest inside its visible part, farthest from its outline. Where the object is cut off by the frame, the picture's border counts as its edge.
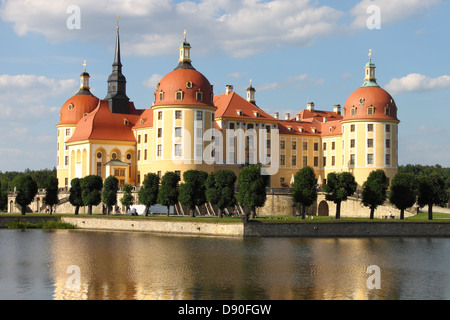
(145, 120)
(80, 105)
(177, 81)
(102, 124)
(363, 98)
(228, 106)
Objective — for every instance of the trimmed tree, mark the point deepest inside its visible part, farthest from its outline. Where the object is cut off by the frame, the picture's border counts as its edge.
(168, 191)
(109, 193)
(192, 191)
(304, 190)
(127, 199)
(431, 190)
(51, 191)
(403, 192)
(220, 189)
(148, 194)
(252, 188)
(338, 188)
(374, 190)
(91, 188)
(75, 198)
(26, 189)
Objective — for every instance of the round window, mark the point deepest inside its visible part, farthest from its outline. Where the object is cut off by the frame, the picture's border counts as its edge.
(99, 155)
(129, 156)
(114, 156)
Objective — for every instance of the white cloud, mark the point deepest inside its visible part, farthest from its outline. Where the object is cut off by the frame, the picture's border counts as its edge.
(415, 82)
(24, 96)
(152, 81)
(300, 81)
(29, 116)
(391, 11)
(237, 75)
(240, 28)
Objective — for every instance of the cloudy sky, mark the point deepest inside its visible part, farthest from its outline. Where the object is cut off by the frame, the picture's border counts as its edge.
(295, 51)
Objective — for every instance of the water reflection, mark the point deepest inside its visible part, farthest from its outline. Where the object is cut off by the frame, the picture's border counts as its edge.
(116, 265)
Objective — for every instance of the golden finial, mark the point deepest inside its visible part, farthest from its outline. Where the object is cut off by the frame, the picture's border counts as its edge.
(370, 54)
(84, 65)
(117, 18)
(184, 34)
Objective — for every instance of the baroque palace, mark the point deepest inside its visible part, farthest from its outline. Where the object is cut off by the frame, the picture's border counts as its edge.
(188, 127)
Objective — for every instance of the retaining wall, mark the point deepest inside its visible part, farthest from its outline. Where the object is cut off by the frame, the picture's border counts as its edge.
(258, 229)
(158, 226)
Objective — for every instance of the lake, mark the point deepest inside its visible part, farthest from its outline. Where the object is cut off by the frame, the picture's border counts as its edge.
(76, 264)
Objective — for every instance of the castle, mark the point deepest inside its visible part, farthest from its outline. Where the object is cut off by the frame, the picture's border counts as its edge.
(188, 127)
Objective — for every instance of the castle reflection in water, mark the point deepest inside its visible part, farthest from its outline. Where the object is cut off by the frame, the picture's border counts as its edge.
(141, 266)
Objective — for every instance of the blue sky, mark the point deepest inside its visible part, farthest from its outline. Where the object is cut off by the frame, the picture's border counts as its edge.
(294, 51)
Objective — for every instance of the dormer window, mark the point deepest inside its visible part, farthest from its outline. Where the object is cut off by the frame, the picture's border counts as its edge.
(370, 110)
(179, 95)
(239, 112)
(290, 129)
(71, 106)
(161, 96)
(256, 113)
(142, 121)
(387, 111)
(126, 122)
(301, 129)
(353, 111)
(199, 96)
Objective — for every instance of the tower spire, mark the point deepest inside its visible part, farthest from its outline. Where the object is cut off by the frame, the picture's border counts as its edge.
(84, 81)
(184, 62)
(369, 73)
(117, 97)
(251, 93)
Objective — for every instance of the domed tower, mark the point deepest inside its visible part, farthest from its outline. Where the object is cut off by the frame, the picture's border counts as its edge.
(370, 129)
(72, 111)
(183, 111)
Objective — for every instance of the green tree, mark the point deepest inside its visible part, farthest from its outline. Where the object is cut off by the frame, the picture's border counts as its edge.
(127, 198)
(51, 191)
(109, 193)
(75, 198)
(304, 190)
(338, 188)
(431, 191)
(374, 190)
(220, 189)
(168, 191)
(192, 191)
(148, 194)
(91, 187)
(26, 189)
(403, 192)
(252, 188)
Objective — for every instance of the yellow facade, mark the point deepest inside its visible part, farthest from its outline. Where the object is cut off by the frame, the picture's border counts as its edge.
(178, 135)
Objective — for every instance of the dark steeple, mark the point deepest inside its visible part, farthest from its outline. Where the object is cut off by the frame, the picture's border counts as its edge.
(117, 97)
